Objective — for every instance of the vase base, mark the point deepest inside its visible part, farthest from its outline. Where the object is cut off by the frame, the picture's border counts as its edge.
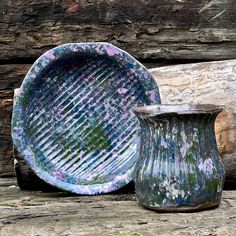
(199, 207)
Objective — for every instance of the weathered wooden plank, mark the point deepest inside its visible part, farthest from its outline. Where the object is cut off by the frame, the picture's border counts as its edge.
(6, 157)
(32, 12)
(148, 29)
(38, 213)
(10, 78)
(6, 151)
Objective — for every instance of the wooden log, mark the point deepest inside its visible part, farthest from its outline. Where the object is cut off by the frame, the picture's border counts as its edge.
(153, 29)
(208, 82)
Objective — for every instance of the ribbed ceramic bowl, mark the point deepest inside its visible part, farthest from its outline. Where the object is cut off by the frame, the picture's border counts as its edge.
(72, 120)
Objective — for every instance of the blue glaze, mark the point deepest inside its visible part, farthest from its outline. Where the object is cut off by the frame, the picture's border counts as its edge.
(72, 120)
(179, 168)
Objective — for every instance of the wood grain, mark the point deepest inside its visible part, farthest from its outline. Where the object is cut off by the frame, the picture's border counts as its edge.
(148, 29)
(10, 78)
(43, 213)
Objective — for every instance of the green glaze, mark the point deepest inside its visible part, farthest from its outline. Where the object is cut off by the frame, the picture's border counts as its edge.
(179, 166)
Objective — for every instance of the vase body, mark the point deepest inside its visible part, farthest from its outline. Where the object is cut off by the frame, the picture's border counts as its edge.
(179, 167)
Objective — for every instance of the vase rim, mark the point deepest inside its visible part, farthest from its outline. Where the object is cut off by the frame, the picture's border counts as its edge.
(186, 108)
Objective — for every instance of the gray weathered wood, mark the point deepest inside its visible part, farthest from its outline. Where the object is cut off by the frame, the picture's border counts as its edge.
(10, 78)
(149, 29)
(6, 151)
(38, 213)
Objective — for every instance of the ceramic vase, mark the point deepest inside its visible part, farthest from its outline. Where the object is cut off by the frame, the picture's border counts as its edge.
(179, 167)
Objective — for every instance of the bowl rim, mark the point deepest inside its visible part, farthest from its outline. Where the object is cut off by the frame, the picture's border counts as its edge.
(20, 139)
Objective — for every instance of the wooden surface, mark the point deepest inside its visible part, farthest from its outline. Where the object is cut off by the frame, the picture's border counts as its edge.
(38, 213)
(149, 29)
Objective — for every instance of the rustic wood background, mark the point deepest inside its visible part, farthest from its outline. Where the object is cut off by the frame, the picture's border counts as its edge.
(154, 31)
(206, 82)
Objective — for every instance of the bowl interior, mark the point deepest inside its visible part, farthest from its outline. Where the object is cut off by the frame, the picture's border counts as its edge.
(79, 121)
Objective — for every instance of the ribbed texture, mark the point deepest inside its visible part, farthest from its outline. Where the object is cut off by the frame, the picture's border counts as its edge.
(179, 164)
(72, 120)
(77, 119)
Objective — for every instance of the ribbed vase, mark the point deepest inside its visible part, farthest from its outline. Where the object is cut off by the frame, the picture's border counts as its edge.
(179, 167)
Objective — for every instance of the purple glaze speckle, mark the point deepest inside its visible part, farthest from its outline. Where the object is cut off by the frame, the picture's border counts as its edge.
(72, 119)
(179, 167)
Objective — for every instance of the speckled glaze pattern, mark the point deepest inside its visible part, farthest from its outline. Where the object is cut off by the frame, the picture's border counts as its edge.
(72, 120)
(179, 168)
